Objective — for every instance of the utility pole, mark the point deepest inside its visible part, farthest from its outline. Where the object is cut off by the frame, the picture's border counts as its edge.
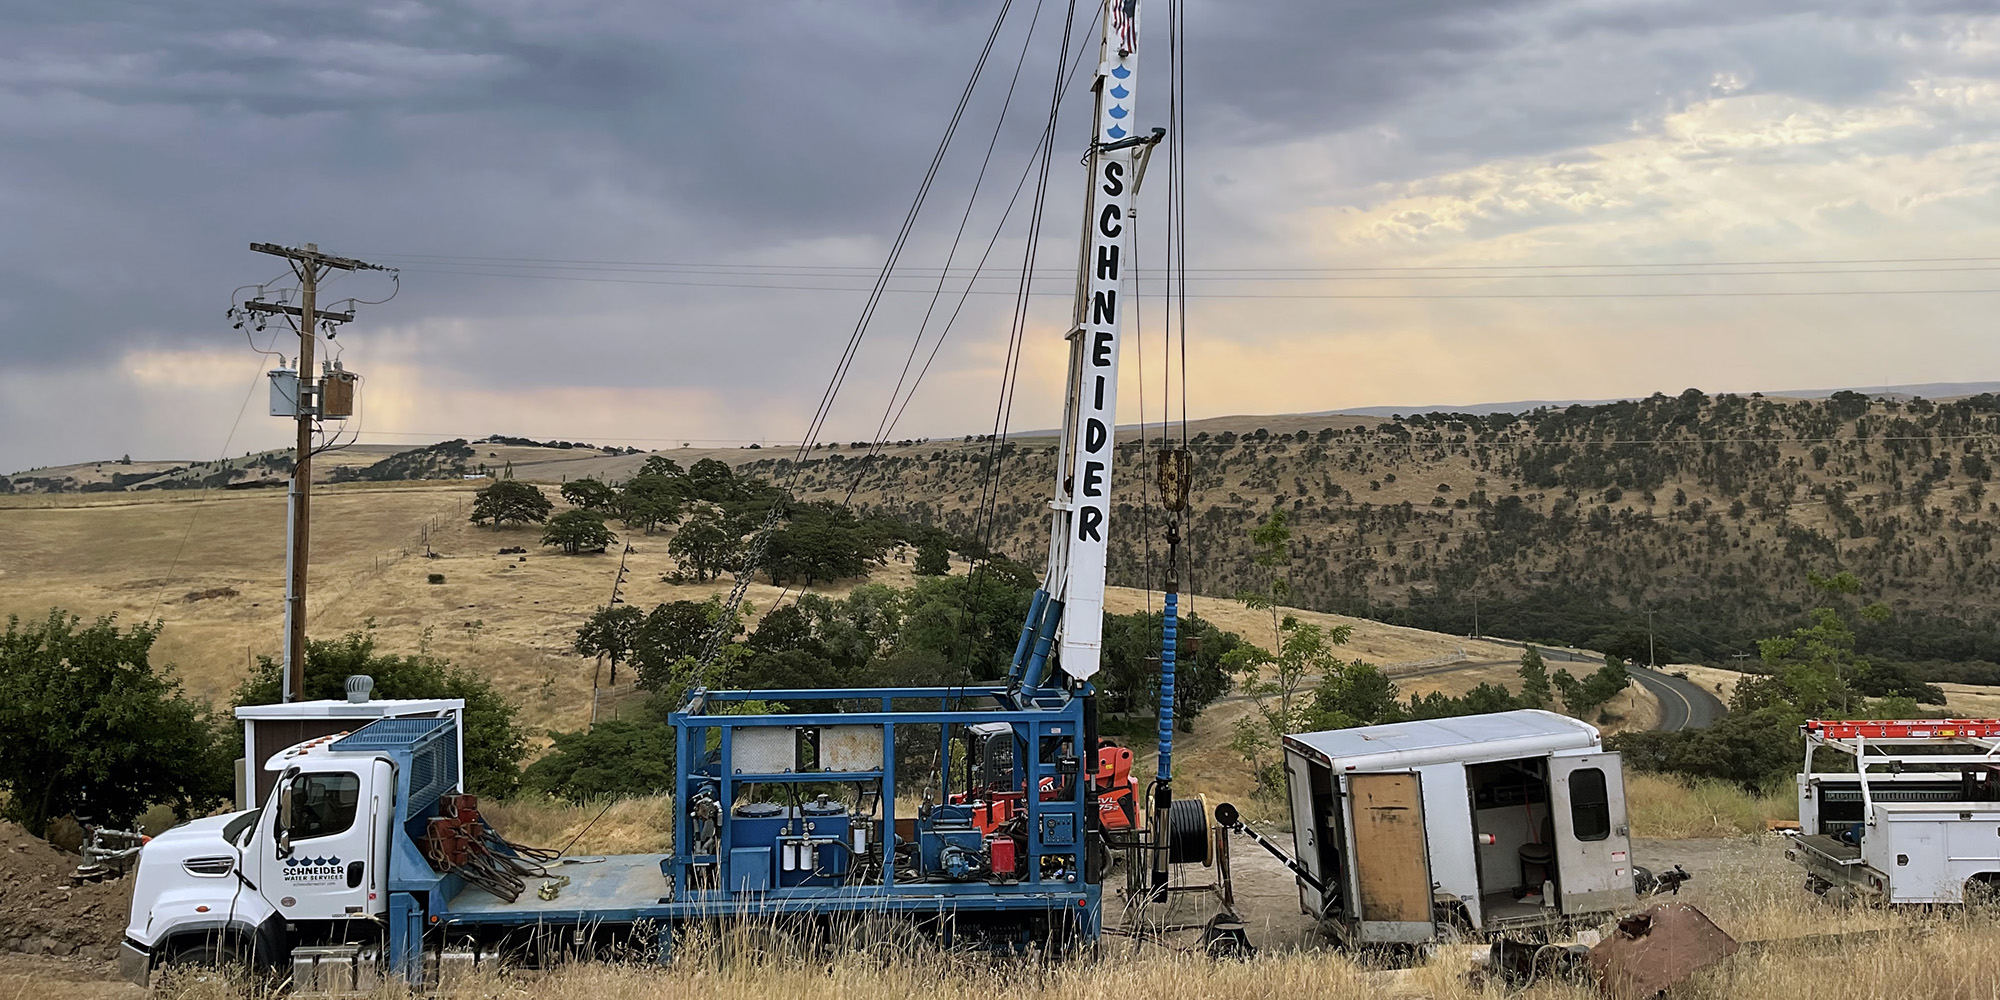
(1475, 616)
(1649, 640)
(309, 265)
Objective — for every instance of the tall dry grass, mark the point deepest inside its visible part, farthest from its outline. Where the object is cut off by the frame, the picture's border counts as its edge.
(642, 825)
(1886, 954)
(1914, 958)
(1675, 808)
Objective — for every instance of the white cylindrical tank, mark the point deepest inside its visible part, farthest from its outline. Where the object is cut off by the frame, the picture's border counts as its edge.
(284, 392)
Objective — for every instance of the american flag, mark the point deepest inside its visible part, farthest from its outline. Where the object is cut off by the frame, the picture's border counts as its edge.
(1125, 21)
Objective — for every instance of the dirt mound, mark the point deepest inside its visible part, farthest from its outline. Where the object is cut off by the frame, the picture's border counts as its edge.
(41, 913)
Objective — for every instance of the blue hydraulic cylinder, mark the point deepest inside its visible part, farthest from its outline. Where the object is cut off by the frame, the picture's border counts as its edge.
(1045, 635)
(1167, 643)
(1028, 630)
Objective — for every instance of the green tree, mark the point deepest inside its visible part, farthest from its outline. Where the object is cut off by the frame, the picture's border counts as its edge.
(714, 481)
(1357, 694)
(1305, 655)
(933, 557)
(970, 623)
(494, 745)
(578, 531)
(510, 500)
(612, 758)
(87, 726)
(1583, 698)
(667, 643)
(1270, 550)
(589, 494)
(705, 545)
(610, 632)
(1129, 682)
(821, 542)
(1535, 691)
(649, 501)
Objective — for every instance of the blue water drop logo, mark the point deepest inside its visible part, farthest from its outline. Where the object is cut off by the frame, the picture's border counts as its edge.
(1118, 91)
(1120, 72)
(1118, 111)
(1115, 132)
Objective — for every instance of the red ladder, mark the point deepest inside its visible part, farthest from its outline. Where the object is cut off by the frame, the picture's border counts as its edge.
(1904, 729)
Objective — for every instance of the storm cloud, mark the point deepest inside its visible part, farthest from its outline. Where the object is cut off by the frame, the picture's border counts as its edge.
(144, 146)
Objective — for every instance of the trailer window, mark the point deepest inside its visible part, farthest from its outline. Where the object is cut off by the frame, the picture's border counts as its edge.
(323, 804)
(1589, 805)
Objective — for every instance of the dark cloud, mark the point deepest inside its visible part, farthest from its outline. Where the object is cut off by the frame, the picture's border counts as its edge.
(142, 146)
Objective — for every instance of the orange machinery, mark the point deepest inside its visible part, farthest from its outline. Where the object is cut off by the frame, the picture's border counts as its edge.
(990, 773)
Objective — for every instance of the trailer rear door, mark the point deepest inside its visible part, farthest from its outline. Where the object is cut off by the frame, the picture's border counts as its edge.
(1390, 877)
(1593, 842)
(1307, 829)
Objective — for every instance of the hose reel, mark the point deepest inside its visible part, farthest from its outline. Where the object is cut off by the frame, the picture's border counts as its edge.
(1187, 833)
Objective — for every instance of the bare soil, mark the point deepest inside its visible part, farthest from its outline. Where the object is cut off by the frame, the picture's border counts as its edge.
(42, 913)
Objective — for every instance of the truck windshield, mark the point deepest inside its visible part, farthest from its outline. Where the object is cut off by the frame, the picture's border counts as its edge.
(323, 804)
(1589, 805)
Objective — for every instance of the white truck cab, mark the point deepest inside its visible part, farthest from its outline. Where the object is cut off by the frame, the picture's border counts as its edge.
(308, 867)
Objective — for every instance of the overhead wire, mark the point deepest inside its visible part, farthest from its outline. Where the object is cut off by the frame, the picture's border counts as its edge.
(997, 447)
(882, 427)
(754, 550)
(879, 289)
(855, 270)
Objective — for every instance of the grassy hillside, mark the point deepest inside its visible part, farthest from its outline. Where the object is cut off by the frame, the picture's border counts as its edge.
(210, 564)
(1554, 525)
(1560, 524)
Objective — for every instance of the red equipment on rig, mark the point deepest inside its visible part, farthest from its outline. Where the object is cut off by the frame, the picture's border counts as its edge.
(993, 804)
(1912, 729)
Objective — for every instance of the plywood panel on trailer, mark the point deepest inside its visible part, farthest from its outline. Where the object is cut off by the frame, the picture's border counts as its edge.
(1392, 872)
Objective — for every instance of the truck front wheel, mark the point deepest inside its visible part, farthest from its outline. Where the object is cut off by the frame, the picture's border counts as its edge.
(206, 961)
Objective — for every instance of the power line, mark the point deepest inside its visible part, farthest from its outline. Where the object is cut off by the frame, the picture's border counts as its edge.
(722, 267)
(1358, 296)
(1223, 274)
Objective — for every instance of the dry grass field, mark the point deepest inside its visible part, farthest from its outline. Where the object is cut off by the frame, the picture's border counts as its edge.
(210, 565)
(1794, 945)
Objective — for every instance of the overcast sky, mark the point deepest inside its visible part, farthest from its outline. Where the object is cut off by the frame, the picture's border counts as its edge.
(143, 146)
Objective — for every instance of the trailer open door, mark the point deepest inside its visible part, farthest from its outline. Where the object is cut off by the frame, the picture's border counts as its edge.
(1593, 841)
(1389, 874)
(1308, 827)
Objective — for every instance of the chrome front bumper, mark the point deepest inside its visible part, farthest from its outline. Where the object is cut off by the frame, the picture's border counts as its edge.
(135, 964)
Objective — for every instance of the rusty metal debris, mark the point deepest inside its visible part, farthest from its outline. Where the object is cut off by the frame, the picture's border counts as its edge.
(1657, 948)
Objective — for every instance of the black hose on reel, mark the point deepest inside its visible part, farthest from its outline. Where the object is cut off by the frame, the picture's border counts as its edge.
(1188, 841)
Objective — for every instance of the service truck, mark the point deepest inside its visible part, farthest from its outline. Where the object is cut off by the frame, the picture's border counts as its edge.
(1903, 812)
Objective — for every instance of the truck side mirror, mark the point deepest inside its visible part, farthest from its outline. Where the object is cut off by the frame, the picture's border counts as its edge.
(285, 817)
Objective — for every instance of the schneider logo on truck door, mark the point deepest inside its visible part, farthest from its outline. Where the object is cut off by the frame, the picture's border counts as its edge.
(314, 871)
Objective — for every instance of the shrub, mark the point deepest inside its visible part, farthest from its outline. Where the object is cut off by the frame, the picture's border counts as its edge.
(88, 726)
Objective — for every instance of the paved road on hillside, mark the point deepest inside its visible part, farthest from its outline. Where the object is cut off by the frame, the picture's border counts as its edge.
(1683, 703)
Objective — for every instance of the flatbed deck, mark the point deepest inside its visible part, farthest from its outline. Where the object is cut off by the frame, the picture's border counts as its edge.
(1839, 852)
(613, 882)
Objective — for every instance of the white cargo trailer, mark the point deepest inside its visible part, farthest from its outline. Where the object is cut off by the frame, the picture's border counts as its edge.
(1504, 821)
(1918, 822)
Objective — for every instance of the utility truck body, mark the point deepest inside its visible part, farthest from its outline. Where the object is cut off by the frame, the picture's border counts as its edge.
(1918, 821)
(1503, 821)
